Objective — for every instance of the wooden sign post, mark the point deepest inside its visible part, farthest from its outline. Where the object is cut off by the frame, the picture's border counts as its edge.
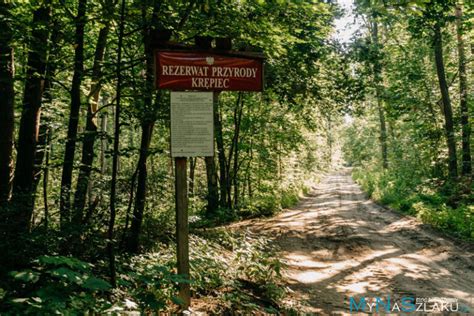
(192, 135)
(192, 119)
(182, 227)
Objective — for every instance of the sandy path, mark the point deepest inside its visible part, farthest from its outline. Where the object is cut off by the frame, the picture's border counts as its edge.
(338, 244)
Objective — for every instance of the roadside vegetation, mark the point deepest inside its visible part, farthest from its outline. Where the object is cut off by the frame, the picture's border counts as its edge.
(410, 139)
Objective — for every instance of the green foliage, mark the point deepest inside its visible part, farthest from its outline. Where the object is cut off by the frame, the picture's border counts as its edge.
(425, 200)
(148, 282)
(56, 285)
(270, 201)
(223, 264)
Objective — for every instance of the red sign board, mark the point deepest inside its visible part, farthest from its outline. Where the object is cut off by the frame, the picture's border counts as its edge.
(207, 71)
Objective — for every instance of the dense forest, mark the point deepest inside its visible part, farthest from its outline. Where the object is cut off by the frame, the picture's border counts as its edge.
(87, 181)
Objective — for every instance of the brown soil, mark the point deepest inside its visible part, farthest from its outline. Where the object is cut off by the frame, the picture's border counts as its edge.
(338, 244)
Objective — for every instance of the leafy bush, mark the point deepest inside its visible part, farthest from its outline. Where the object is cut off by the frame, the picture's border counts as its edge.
(222, 264)
(239, 270)
(259, 263)
(429, 201)
(148, 282)
(56, 285)
(272, 201)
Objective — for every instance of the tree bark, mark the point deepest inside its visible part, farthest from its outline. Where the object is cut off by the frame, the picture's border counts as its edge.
(115, 160)
(7, 99)
(223, 170)
(234, 151)
(447, 109)
(249, 170)
(148, 123)
(212, 190)
(22, 195)
(103, 142)
(137, 218)
(192, 170)
(68, 164)
(44, 129)
(90, 135)
(466, 168)
(45, 181)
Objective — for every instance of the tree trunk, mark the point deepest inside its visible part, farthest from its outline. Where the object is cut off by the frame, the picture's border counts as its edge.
(447, 110)
(7, 99)
(22, 197)
(466, 169)
(68, 164)
(212, 190)
(90, 135)
(379, 95)
(148, 122)
(45, 181)
(44, 129)
(115, 160)
(192, 170)
(249, 170)
(137, 218)
(223, 170)
(103, 142)
(235, 149)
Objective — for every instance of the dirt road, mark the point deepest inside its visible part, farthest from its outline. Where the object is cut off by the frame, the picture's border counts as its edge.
(338, 244)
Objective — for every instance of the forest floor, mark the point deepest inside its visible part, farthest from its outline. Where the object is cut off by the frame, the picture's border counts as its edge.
(339, 244)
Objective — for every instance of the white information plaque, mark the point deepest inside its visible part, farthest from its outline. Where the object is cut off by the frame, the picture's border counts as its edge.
(192, 124)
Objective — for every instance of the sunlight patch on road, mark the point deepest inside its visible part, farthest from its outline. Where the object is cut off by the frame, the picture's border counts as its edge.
(468, 297)
(332, 269)
(305, 261)
(355, 288)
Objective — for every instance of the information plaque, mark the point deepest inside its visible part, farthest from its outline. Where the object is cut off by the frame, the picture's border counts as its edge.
(192, 124)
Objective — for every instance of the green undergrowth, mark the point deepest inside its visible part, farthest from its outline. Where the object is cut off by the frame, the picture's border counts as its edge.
(235, 270)
(270, 201)
(447, 206)
(266, 203)
(238, 271)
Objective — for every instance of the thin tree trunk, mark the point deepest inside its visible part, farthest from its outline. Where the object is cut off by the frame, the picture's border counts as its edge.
(90, 136)
(133, 181)
(249, 171)
(44, 129)
(466, 169)
(212, 190)
(45, 181)
(70, 149)
(192, 170)
(39, 155)
(223, 172)
(447, 110)
(147, 129)
(137, 218)
(329, 138)
(379, 95)
(113, 187)
(22, 195)
(235, 170)
(7, 99)
(103, 142)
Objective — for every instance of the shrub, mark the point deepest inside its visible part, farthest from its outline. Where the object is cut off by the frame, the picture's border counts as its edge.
(56, 285)
(446, 207)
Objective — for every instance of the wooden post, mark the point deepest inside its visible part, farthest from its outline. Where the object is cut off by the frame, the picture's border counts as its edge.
(182, 228)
